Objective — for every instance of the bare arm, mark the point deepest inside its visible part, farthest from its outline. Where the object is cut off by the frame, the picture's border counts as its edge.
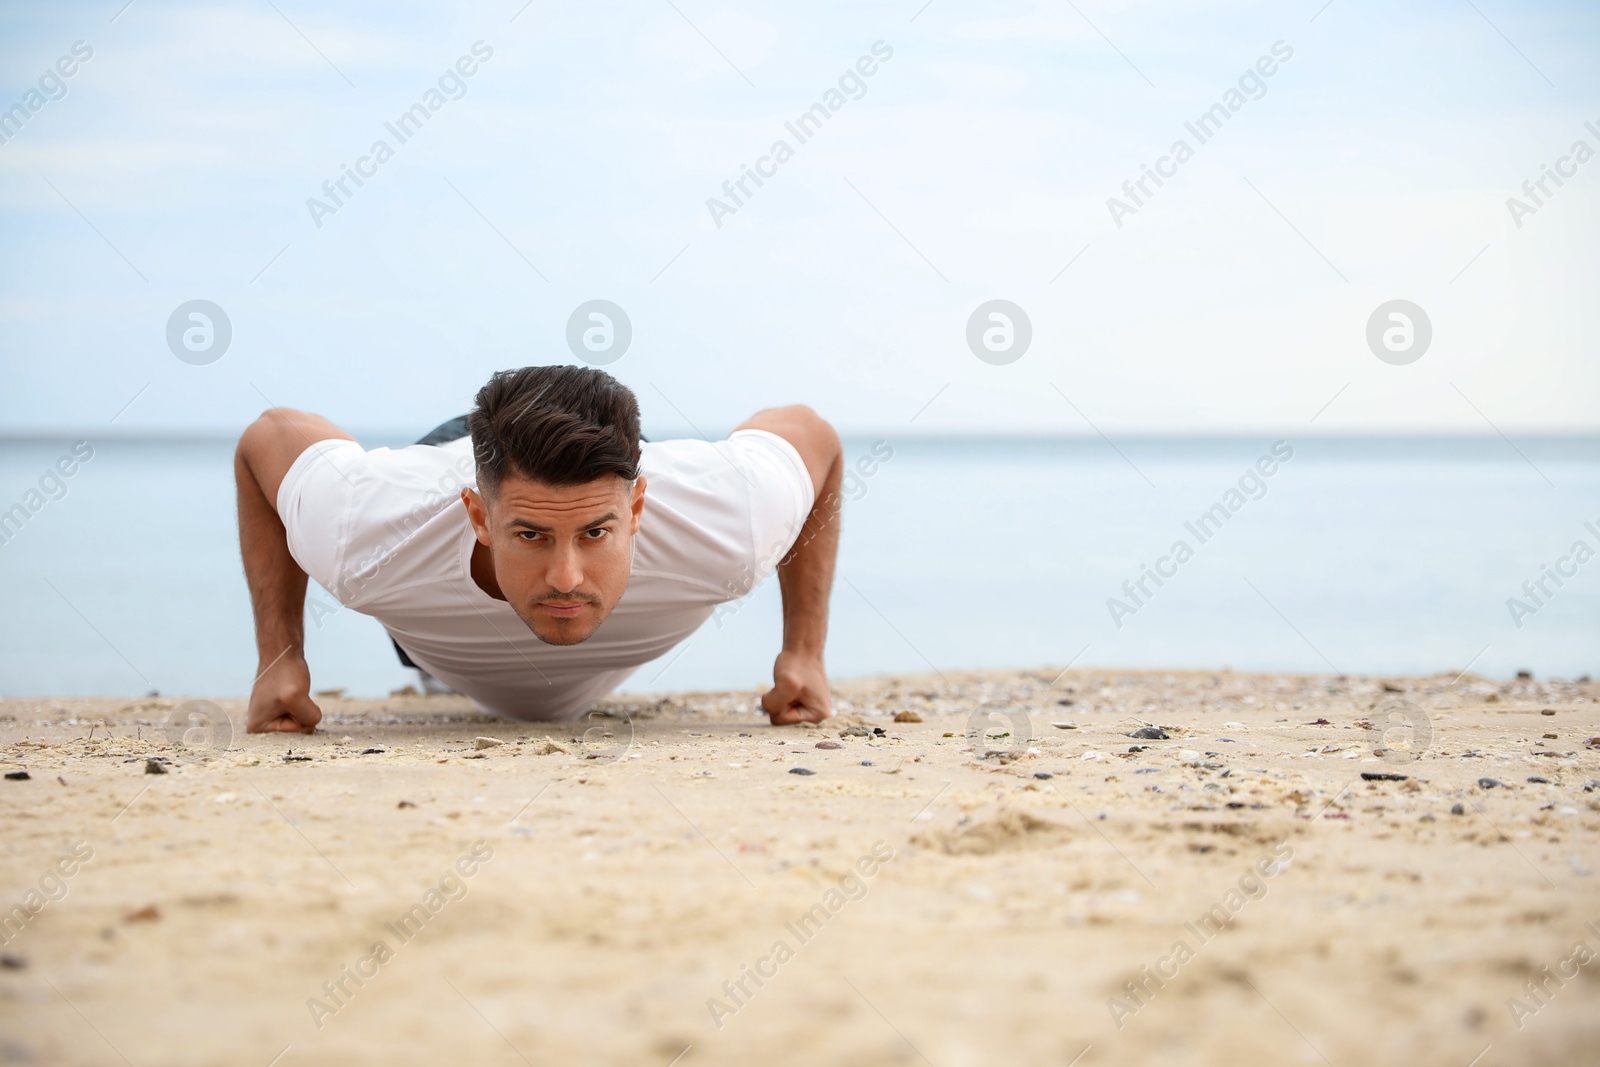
(280, 699)
(805, 576)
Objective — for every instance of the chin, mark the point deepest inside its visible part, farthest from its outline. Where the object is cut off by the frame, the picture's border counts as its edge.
(572, 631)
(563, 635)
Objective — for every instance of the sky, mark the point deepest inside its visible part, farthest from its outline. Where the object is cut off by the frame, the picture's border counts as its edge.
(585, 156)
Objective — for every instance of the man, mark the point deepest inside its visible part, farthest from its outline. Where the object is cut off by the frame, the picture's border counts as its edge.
(535, 564)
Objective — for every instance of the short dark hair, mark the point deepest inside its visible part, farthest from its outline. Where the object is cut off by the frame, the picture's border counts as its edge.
(558, 425)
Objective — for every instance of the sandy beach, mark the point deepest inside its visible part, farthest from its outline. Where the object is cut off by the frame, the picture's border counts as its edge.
(1286, 869)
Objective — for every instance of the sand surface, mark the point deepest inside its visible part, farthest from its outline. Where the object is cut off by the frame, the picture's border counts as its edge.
(927, 895)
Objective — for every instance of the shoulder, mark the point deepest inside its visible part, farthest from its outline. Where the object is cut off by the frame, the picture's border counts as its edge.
(342, 504)
(721, 513)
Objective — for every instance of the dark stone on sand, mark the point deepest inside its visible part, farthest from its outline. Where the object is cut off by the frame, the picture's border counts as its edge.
(801, 770)
(1536, 780)
(829, 744)
(1457, 809)
(866, 763)
(152, 766)
(1381, 776)
(1524, 676)
(372, 752)
(12, 963)
(17, 776)
(1489, 783)
(1547, 711)
(1043, 775)
(1150, 733)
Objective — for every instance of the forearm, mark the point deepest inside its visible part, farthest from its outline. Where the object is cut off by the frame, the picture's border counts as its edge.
(805, 575)
(277, 584)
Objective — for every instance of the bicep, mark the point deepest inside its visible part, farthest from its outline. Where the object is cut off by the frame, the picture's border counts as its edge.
(272, 443)
(811, 435)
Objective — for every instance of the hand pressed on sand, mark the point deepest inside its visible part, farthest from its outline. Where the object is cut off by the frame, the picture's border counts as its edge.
(799, 690)
(280, 700)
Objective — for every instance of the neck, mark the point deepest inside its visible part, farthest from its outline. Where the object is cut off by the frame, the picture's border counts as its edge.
(483, 570)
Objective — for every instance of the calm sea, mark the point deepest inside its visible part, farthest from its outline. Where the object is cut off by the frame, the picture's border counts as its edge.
(1357, 555)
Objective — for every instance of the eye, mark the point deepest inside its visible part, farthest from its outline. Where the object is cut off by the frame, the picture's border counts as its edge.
(529, 535)
(597, 533)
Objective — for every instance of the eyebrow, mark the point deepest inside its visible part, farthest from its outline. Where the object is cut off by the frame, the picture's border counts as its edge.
(528, 524)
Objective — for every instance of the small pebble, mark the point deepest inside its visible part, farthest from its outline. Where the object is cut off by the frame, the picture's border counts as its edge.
(1536, 780)
(1065, 725)
(1547, 711)
(18, 776)
(829, 744)
(1150, 733)
(1380, 776)
(1043, 775)
(855, 731)
(907, 716)
(1488, 783)
(372, 751)
(866, 763)
(1457, 809)
(12, 963)
(487, 742)
(801, 770)
(152, 766)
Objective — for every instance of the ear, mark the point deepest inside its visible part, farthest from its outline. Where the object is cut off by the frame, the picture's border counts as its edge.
(477, 514)
(636, 505)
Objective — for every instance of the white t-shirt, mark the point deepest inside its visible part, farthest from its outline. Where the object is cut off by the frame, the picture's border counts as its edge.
(386, 533)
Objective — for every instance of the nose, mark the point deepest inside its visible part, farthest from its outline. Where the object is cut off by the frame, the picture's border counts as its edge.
(566, 569)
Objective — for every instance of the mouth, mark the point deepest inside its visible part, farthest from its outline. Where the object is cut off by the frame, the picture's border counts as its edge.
(562, 610)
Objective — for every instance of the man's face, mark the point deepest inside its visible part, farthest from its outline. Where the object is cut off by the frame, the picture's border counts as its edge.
(561, 554)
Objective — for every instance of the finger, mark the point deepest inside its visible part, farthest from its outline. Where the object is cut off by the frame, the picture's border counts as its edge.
(306, 713)
(796, 712)
(283, 724)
